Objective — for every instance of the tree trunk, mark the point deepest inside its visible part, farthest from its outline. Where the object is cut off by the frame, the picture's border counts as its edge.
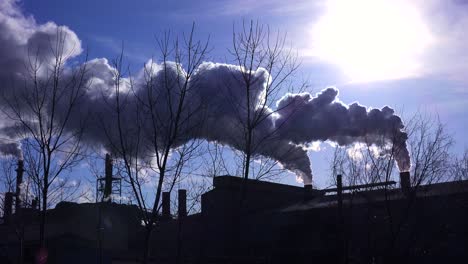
(43, 219)
(146, 248)
(248, 156)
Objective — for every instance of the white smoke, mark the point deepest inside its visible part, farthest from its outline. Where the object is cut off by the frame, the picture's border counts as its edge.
(299, 119)
(22, 41)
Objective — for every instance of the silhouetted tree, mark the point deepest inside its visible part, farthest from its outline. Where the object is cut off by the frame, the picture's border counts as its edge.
(226, 160)
(161, 117)
(459, 170)
(362, 163)
(254, 46)
(42, 111)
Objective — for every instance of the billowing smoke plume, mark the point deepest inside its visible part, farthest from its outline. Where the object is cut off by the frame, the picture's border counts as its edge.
(305, 119)
(22, 40)
(11, 148)
(298, 119)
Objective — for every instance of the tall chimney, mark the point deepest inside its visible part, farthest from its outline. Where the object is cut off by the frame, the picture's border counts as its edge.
(182, 210)
(19, 181)
(7, 206)
(405, 183)
(166, 205)
(308, 194)
(108, 179)
(34, 203)
(339, 192)
(341, 223)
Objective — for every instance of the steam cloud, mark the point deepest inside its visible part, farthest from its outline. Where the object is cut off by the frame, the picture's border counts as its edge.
(299, 119)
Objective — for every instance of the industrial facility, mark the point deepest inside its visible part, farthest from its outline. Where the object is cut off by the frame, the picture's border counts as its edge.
(251, 221)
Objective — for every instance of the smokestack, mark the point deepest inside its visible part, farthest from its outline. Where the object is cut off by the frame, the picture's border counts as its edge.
(339, 191)
(19, 181)
(341, 227)
(308, 193)
(166, 205)
(7, 206)
(34, 203)
(108, 179)
(182, 210)
(405, 183)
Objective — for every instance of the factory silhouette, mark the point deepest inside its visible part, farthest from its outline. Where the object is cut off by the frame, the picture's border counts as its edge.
(252, 221)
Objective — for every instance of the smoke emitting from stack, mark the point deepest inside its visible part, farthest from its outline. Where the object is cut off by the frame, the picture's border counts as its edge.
(300, 119)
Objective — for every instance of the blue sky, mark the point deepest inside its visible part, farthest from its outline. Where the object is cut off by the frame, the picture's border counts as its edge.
(423, 69)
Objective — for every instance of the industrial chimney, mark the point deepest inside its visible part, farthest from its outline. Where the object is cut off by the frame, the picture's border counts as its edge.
(405, 183)
(34, 203)
(108, 179)
(19, 181)
(7, 206)
(308, 192)
(166, 205)
(182, 210)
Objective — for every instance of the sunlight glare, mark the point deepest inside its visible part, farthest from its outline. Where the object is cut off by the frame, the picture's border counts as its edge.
(372, 39)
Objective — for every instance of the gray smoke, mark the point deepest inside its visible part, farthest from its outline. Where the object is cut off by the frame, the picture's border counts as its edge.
(305, 118)
(11, 148)
(299, 119)
(23, 41)
(215, 94)
(9, 145)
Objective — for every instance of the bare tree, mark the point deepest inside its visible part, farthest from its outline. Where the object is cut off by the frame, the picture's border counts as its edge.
(172, 127)
(459, 170)
(254, 47)
(42, 111)
(125, 134)
(227, 160)
(429, 145)
(196, 187)
(156, 139)
(363, 163)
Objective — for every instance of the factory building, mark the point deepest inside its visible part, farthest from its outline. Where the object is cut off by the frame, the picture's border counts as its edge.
(258, 222)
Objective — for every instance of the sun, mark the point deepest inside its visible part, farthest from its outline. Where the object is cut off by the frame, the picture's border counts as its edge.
(372, 39)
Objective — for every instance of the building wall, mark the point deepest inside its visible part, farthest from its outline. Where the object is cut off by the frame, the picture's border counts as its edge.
(275, 224)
